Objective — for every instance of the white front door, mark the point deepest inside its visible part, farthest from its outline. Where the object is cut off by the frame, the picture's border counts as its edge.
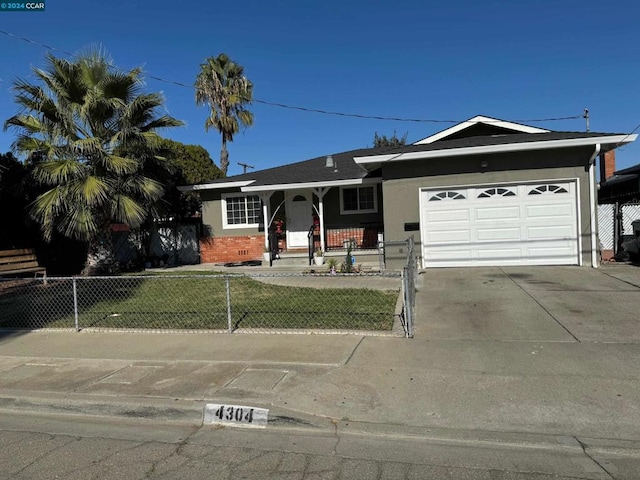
(519, 224)
(299, 219)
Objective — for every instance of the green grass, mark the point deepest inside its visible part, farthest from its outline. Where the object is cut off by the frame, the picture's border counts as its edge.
(194, 303)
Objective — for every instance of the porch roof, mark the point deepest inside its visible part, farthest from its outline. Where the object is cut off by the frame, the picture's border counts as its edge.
(306, 174)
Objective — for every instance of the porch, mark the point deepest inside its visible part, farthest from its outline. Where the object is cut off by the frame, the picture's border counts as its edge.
(360, 241)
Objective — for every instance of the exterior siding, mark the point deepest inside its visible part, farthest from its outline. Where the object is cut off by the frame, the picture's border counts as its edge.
(403, 182)
(220, 245)
(333, 217)
(212, 217)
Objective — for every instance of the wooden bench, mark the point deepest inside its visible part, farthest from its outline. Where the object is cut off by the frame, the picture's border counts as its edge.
(22, 260)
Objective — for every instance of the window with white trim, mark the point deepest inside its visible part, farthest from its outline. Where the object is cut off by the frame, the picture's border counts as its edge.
(240, 211)
(362, 199)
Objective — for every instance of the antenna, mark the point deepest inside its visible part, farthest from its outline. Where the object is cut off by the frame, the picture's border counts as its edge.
(245, 166)
(586, 117)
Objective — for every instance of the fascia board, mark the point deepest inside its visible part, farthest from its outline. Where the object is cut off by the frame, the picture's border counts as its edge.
(295, 186)
(516, 147)
(215, 186)
(480, 119)
(374, 158)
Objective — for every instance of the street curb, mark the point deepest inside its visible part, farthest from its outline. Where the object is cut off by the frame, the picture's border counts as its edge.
(177, 411)
(190, 413)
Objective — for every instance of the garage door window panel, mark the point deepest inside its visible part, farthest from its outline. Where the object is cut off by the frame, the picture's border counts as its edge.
(547, 190)
(497, 192)
(448, 195)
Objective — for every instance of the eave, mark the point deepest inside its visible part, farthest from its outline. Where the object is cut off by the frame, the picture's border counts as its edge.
(215, 186)
(616, 140)
(306, 185)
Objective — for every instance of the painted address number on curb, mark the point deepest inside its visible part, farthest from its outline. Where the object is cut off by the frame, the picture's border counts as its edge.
(236, 415)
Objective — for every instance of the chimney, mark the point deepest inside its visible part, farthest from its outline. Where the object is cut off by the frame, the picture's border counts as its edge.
(607, 164)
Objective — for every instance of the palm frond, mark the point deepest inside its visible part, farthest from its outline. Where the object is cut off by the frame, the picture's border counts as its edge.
(73, 119)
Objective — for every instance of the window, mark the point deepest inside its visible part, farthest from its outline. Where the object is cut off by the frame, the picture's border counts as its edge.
(547, 189)
(447, 196)
(497, 192)
(358, 200)
(241, 211)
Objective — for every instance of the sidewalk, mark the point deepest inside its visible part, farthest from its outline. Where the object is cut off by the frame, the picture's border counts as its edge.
(494, 386)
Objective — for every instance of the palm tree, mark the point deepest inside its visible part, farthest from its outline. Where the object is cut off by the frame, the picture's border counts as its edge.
(73, 125)
(222, 86)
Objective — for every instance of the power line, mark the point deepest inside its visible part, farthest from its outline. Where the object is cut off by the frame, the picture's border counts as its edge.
(307, 109)
(628, 135)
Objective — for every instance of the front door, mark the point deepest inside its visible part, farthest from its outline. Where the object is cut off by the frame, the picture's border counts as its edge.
(299, 220)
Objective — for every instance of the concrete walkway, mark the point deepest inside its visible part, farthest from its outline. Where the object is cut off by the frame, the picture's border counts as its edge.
(524, 356)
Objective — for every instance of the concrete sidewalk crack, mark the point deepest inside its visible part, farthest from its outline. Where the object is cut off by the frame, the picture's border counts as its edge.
(541, 306)
(636, 287)
(584, 450)
(99, 379)
(354, 350)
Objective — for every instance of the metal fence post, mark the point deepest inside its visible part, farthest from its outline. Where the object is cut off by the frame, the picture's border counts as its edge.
(229, 325)
(75, 304)
(409, 286)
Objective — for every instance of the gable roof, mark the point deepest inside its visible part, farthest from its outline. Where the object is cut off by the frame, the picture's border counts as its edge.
(480, 126)
(308, 173)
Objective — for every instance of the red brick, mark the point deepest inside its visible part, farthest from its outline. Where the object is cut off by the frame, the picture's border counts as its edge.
(607, 164)
(231, 249)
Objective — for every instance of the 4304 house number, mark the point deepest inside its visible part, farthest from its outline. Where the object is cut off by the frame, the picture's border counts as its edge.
(238, 415)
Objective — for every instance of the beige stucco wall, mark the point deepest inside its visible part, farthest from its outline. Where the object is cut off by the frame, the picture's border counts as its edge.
(403, 182)
(212, 216)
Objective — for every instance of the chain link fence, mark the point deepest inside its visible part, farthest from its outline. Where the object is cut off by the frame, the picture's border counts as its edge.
(283, 303)
(381, 303)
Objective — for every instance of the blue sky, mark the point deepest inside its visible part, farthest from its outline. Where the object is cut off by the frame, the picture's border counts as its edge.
(430, 60)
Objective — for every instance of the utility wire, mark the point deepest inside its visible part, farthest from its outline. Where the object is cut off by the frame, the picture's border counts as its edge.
(311, 110)
(628, 135)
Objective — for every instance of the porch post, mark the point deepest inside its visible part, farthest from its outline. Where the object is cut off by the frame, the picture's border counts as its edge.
(320, 192)
(266, 215)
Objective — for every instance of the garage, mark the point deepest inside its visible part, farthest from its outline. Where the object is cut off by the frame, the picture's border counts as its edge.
(494, 225)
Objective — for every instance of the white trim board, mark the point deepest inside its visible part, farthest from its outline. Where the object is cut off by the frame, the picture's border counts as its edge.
(516, 127)
(503, 148)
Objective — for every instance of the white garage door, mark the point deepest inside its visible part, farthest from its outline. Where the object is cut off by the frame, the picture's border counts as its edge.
(532, 224)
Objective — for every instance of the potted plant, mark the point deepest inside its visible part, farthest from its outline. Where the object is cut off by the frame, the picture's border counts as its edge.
(332, 263)
(318, 257)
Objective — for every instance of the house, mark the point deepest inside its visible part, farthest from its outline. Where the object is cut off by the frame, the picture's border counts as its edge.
(483, 192)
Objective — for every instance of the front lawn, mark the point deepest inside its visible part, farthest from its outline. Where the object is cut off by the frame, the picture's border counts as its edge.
(193, 302)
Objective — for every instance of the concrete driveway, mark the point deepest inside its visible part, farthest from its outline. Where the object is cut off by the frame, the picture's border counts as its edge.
(551, 304)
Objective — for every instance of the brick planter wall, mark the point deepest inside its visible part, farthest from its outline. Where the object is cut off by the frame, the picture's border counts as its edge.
(231, 249)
